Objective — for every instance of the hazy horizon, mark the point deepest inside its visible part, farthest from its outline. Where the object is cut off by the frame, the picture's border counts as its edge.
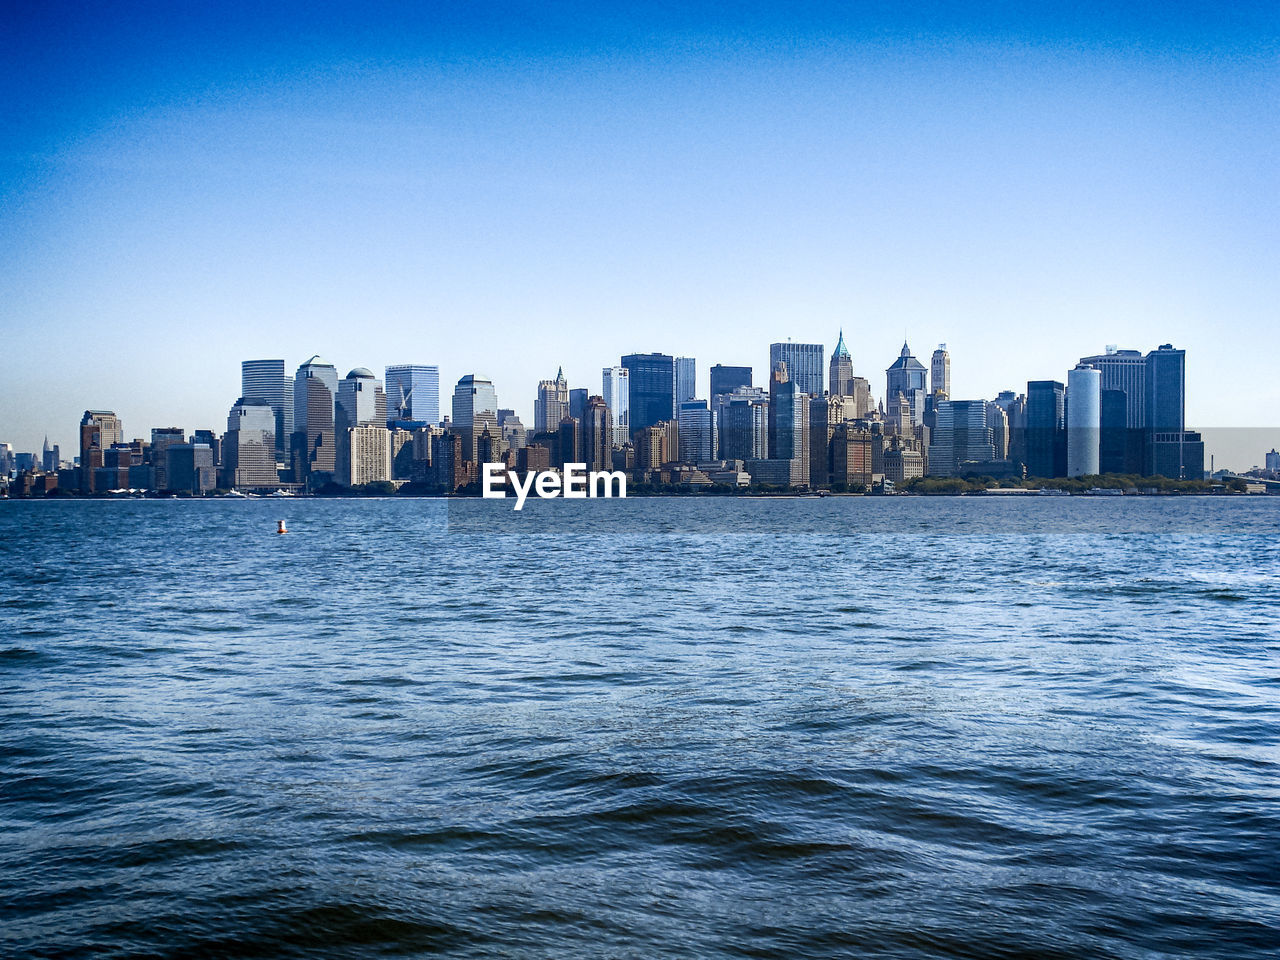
(507, 189)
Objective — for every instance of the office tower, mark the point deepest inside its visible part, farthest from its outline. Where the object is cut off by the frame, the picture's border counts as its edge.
(190, 469)
(448, 467)
(413, 392)
(616, 390)
(1045, 434)
(514, 435)
(652, 450)
(475, 409)
(7, 459)
(551, 404)
(694, 433)
(685, 384)
(940, 373)
(905, 377)
(361, 402)
(840, 371)
(789, 424)
(568, 441)
(249, 447)
(312, 448)
(209, 439)
(368, 457)
(962, 435)
(1126, 371)
(578, 403)
(1272, 461)
(533, 459)
(162, 438)
(597, 435)
(48, 463)
(743, 422)
(727, 379)
(804, 364)
(99, 430)
(824, 414)
(652, 384)
(1172, 451)
(267, 380)
(849, 465)
(1084, 421)
(998, 421)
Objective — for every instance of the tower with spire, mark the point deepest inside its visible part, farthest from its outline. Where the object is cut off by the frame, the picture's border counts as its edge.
(552, 403)
(840, 370)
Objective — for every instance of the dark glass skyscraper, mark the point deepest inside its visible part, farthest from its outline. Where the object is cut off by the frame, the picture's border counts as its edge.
(1046, 430)
(266, 380)
(652, 384)
(727, 379)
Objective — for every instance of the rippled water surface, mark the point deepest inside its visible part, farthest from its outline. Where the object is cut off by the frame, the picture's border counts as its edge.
(896, 727)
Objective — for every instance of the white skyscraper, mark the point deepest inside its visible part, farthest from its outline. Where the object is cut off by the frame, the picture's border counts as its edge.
(475, 409)
(686, 380)
(940, 372)
(616, 390)
(1084, 420)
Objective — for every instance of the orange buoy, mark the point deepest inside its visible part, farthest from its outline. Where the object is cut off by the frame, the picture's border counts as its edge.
(280, 528)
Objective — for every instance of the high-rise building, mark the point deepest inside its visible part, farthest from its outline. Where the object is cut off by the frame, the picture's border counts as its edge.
(162, 438)
(788, 422)
(686, 380)
(962, 434)
(597, 435)
(905, 377)
(694, 433)
(578, 403)
(475, 409)
(743, 422)
(804, 364)
(249, 446)
(313, 447)
(190, 469)
(551, 404)
(1084, 421)
(1271, 462)
(361, 402)
(849, 464)
(267, 380)
(940, 373)
(1126, 371)
(99, 431)
(413, 392)
(514, 435)
(568, 441)
(48, 458)
(616, 390)
(652, 384)
(727, 379)
(1046, 429)
(1172, 451)
(368, 457)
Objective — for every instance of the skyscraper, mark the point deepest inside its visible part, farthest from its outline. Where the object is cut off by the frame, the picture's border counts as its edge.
(1084, 421)
(578, 403)
(789, 423)
(940, 373)
(743, 424)
(413, 392)
(616, 387)
(840, 373)
(693, 435)
(1126, 371)
(804, 364)
(597, 435)
(249, 446)
(1045, 440)
(162, 438)
(1172, 451)
(315, 390)
(905, 377)
(652, 383)
(99, 431)
(551, 404)
(963, 434)
(686, 380)
(727, 379)
(475, 409)
(266, 380)
(361, 403)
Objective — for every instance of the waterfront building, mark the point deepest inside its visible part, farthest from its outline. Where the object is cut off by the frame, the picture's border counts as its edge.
(962, 435)
(940, 373)
(368, 457)
(267, 380)
(162, 438)
(1171, 451)
(742, 417)
(249, 446)
(652, 385)
(1084, 421)
(694, 433)
(313, 448)
(597, 435)
(1045, 437)
(616, 391)
(551, 403)
(475, 409)
(727, 379)
(413, 392)
(189, 467)
(850, 457)
(804, 365)
(99, 431)
(788, 422)
(684, 380)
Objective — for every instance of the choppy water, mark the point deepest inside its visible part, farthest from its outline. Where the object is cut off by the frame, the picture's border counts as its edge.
(665, 728)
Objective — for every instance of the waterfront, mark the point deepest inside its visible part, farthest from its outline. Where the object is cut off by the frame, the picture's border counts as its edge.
(960, 727)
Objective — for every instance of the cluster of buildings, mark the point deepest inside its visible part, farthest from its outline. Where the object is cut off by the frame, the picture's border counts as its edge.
(813, 424)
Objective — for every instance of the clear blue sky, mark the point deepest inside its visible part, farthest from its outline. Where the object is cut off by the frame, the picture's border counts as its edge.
(504, 188)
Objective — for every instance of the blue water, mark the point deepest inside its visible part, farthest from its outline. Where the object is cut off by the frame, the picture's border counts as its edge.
(894, 727)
